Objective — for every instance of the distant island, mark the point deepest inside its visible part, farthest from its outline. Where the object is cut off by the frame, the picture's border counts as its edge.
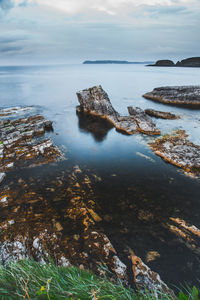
(121, 62)
(192, 62)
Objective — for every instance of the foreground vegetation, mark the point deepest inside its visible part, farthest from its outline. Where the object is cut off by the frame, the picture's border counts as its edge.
(30, 280)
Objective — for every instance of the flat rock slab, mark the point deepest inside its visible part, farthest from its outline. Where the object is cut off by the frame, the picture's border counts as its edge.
(17, 110)
(161, 114)
(179, 151)
(19, 144)
(176, 95)
(95, 101)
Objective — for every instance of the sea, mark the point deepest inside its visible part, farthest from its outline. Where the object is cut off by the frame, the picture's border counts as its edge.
(139, 192)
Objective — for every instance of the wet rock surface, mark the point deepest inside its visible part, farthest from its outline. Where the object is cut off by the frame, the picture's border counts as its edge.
(145, 278)
(176, 95)
(161, 114)
(35, 229)
(21, 144)
(95, 101)
(179, 151)
(144, 122)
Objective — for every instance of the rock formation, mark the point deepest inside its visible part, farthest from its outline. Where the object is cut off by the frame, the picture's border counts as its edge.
(163, 63)
(143, 121)
(176, 95)
(161, 114)
(145, 278)
(19, 145)
(179, 151)
(189, 62)
(95, 101)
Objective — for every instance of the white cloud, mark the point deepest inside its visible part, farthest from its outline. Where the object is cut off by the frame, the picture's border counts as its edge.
(108, 6)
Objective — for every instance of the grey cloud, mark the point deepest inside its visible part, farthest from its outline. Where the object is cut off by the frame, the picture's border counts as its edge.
(11, 49)
(170, 10)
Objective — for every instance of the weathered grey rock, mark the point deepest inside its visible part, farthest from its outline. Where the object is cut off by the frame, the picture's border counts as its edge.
(179, 151)
(12, 251)
(95, 101)
(161, 114)
(176, 95)
(19, 145)
(163, 63)
(146, 279)
(2, 176)
(143, 121)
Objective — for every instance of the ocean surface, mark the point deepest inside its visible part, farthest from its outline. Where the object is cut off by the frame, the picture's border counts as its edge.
(138, 192)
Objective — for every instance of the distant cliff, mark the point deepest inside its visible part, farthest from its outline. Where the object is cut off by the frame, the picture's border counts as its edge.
(116, 62)
(192, 62)
(189, 62)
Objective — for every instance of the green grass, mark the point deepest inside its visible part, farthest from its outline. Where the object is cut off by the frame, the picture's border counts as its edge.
(30, 280)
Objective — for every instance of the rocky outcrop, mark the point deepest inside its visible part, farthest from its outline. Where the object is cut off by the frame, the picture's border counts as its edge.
(95, 101)
(163, 63)
(145, 279)
(161, 114)
(179, 151)
(19, 145)
(189, 62)
(176, 95)
(143, 121)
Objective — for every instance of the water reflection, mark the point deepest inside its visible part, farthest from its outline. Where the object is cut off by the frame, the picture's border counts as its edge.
(98, 127)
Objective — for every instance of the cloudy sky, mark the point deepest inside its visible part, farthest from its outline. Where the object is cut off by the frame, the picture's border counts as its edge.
(57, 31)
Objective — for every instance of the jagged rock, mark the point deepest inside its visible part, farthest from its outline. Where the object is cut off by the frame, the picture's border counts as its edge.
(161, 114)
(176, 95)
(16, 250)
(2, 176)
(145, 278)
(143, 121)
(189, 62)
(163, 63)
(179, 151)
(95, 101)
(18, 143)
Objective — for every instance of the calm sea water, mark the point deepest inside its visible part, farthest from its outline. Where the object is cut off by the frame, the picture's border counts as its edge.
(138, 191)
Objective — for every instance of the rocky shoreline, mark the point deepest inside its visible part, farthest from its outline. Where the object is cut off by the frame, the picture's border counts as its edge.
(31, 223)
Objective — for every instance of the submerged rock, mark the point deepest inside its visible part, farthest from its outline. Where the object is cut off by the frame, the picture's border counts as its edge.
(161, 114)
(17, 110)
(179, 151)
(95, 101)
(176, 95)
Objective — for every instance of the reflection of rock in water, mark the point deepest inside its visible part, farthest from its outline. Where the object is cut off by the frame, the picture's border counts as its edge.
(94, 125)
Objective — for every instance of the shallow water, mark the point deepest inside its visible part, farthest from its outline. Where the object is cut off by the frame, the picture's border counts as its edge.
(137, 193)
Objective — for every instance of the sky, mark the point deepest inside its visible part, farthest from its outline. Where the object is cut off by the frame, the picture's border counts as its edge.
(71, 31)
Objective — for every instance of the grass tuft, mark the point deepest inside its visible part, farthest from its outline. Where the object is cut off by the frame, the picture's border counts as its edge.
(30, 280)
